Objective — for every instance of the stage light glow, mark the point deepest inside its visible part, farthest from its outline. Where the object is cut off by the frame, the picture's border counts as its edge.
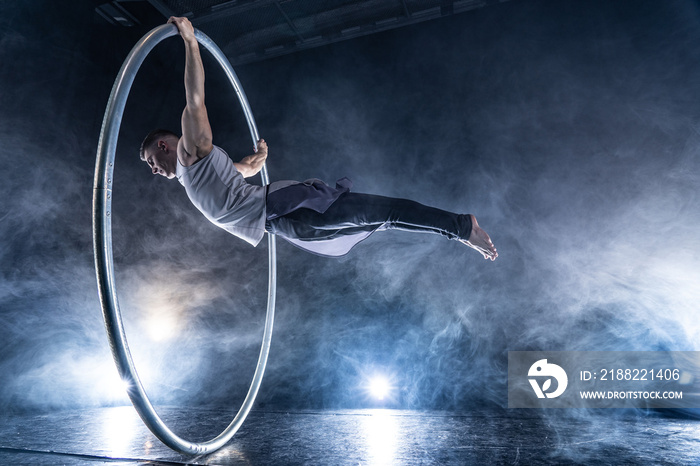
(122, 387)
(109, 385)
(162, 326)
(382, 434)
(119, 430)
(379, 387)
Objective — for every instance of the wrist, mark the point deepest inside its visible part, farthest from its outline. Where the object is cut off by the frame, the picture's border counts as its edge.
(191, 42)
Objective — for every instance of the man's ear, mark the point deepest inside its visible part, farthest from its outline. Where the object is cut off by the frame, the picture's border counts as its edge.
(162, 145)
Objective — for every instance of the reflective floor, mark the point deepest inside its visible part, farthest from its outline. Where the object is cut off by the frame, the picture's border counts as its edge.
(370, 437)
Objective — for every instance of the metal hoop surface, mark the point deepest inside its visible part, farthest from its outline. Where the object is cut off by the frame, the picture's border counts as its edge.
(104, 261)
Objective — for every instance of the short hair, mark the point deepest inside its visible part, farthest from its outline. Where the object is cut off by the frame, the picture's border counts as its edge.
(151, 138)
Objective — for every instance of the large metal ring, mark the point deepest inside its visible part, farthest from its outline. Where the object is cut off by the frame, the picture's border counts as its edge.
(102, 238)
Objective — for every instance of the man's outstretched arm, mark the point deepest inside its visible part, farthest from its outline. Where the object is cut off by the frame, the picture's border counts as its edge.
(252, 164)
(196, 142)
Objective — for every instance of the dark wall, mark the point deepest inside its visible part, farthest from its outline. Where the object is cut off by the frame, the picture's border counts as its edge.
(570, 129)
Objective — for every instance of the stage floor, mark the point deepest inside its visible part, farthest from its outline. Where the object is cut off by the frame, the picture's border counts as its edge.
(366, 437)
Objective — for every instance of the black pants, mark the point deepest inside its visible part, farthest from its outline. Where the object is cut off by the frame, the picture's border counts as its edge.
(356, 213)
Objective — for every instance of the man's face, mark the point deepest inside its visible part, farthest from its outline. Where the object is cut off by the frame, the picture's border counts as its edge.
(162, 160)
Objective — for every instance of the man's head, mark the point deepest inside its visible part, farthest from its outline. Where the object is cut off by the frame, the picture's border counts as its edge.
(159, 150)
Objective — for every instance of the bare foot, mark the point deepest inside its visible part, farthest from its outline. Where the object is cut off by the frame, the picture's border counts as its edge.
(479, 240)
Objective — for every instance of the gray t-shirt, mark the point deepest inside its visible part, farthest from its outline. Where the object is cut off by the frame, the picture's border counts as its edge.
(221, 193)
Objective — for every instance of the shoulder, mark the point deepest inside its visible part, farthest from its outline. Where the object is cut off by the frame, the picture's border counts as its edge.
(216, 161)
(188, 158)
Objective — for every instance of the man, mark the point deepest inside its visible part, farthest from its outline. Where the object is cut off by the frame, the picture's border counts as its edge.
(311, 215)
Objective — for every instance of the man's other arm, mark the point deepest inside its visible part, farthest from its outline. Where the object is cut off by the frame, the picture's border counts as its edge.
(252, 164)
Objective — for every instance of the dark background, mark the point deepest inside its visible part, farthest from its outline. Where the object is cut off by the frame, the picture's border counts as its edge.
(570, 129)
